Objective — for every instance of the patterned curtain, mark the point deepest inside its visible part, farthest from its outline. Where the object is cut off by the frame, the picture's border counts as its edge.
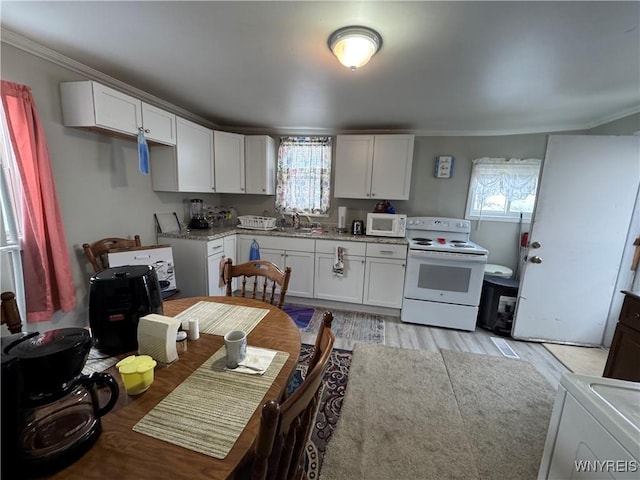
(304, 174)
(514, 178)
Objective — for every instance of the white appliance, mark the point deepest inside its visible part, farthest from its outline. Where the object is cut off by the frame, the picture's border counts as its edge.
(594, 430)
(443, 280)
(386, 224)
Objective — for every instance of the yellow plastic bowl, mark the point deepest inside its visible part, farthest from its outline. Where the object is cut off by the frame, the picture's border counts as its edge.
(136, 372)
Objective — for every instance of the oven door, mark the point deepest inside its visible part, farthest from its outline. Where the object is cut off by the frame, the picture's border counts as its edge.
(444, 277)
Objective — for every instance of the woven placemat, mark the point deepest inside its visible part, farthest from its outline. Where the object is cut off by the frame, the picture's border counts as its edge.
(208, 411)
(220, 318)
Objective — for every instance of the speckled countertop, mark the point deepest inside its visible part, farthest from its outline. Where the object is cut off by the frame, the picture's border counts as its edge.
(328, 234)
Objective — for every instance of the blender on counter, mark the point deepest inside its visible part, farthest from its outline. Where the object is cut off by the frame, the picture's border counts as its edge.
(197, 221)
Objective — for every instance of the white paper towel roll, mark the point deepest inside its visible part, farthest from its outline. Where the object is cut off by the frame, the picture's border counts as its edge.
(342, 217)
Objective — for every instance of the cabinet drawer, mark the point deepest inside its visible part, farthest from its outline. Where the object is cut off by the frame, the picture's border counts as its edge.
(215, 246)
(286, 243)
(352, 248)
(386, 250)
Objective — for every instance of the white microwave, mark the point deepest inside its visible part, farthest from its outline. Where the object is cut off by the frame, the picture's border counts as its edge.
(386, 224)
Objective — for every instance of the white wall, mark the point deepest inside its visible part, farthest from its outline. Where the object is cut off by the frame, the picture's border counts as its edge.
(101, 192)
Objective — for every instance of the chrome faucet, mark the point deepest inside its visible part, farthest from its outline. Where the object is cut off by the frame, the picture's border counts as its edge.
(295, 220)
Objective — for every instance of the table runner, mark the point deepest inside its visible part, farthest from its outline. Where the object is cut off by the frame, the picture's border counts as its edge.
(220, 318)
(208, 411)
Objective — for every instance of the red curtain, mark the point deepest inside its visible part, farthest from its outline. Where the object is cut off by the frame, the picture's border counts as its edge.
(47, 269)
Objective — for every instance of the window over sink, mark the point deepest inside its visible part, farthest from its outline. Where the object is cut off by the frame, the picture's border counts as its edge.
(304, 175)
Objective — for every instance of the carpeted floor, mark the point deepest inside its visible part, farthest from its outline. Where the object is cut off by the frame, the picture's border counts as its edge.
(333, 390)
(412, 414)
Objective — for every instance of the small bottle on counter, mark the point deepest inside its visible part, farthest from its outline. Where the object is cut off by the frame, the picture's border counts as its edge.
(194, 329)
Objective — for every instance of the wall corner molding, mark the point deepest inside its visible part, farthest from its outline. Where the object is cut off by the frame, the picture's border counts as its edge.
(39, 50)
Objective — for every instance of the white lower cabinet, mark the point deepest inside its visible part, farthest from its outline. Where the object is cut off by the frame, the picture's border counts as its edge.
(197, 265)
(384, 275)
(341, 288)
(297, 253)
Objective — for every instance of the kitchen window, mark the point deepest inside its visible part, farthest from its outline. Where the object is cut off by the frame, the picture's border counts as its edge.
(502, 189)
(304, 174)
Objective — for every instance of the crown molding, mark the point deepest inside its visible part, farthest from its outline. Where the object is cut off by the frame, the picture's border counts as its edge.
(34, 48)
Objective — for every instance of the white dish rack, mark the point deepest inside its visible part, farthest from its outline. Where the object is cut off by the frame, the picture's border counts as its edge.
(253, 222)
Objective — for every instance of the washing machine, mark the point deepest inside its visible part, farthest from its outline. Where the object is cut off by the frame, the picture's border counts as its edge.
(594, 430)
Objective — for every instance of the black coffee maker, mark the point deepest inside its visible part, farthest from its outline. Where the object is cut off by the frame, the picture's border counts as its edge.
(50, 410)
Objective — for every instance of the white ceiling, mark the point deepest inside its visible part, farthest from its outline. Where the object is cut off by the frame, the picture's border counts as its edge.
(444, 67)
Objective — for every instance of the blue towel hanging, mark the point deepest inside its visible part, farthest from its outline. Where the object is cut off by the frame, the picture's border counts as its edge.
(254, 251)
(143, 153)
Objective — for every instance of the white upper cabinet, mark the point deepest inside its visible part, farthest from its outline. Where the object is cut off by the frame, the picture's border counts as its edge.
(373, 166)
(229, 162)
(159, 125)
(187, 167)
(260, 164)
(90, 104)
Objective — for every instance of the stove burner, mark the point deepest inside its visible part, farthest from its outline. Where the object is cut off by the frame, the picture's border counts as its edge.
(462, 245)
(420, 239)
(424, 242)
(458, 241)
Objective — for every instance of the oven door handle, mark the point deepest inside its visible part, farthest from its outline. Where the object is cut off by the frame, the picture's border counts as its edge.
(444, 256)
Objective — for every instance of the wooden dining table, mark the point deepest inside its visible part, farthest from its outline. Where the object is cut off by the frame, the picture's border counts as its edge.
(120, 453)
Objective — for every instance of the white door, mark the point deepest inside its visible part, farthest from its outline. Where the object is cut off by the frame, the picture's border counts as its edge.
(583, 211)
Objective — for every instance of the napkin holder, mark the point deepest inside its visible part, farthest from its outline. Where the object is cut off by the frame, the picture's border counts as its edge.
(157, 337)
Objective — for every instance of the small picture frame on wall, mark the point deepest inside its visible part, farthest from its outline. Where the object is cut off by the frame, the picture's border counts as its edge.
(444, 166)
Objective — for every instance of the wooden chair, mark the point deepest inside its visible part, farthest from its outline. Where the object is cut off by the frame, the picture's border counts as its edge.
(270, 275)
(10, 315)
(278, 452)
(97, 252)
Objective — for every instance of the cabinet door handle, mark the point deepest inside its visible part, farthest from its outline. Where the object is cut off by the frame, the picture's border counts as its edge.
(386, 252)
(141, 257)
(217, 247)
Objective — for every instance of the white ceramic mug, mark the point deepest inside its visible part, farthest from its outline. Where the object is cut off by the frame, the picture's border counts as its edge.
(235, 342)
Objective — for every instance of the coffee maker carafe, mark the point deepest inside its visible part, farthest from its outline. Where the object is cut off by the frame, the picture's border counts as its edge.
(58, 410)
(197, 221)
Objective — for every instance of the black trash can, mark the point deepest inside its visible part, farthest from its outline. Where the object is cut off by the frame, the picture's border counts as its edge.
(490, 315)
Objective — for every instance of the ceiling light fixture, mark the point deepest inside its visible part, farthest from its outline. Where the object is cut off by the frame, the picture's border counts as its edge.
(354, 46)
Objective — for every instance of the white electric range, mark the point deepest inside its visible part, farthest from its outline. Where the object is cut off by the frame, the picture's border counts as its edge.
(443, 280)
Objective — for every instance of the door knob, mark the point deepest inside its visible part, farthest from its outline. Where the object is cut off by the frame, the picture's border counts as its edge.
(536, 259)
(535, 245)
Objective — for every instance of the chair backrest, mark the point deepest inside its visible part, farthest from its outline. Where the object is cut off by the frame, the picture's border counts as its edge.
(266, 277)
(284, 428)
(97, 252)
(10, 315)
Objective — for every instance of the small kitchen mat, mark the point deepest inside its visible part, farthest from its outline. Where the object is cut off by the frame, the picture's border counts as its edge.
(220, 318)
(207, 412)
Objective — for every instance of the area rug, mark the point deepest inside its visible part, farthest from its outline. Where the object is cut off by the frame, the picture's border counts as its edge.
(411, 414)
(583, 360)
(333, 390)
(299, 314)
(350, 327)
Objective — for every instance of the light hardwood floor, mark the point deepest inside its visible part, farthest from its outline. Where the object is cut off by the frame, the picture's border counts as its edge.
(422, 337)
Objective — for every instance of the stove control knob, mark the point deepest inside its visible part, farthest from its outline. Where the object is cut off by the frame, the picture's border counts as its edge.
(535, 259)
